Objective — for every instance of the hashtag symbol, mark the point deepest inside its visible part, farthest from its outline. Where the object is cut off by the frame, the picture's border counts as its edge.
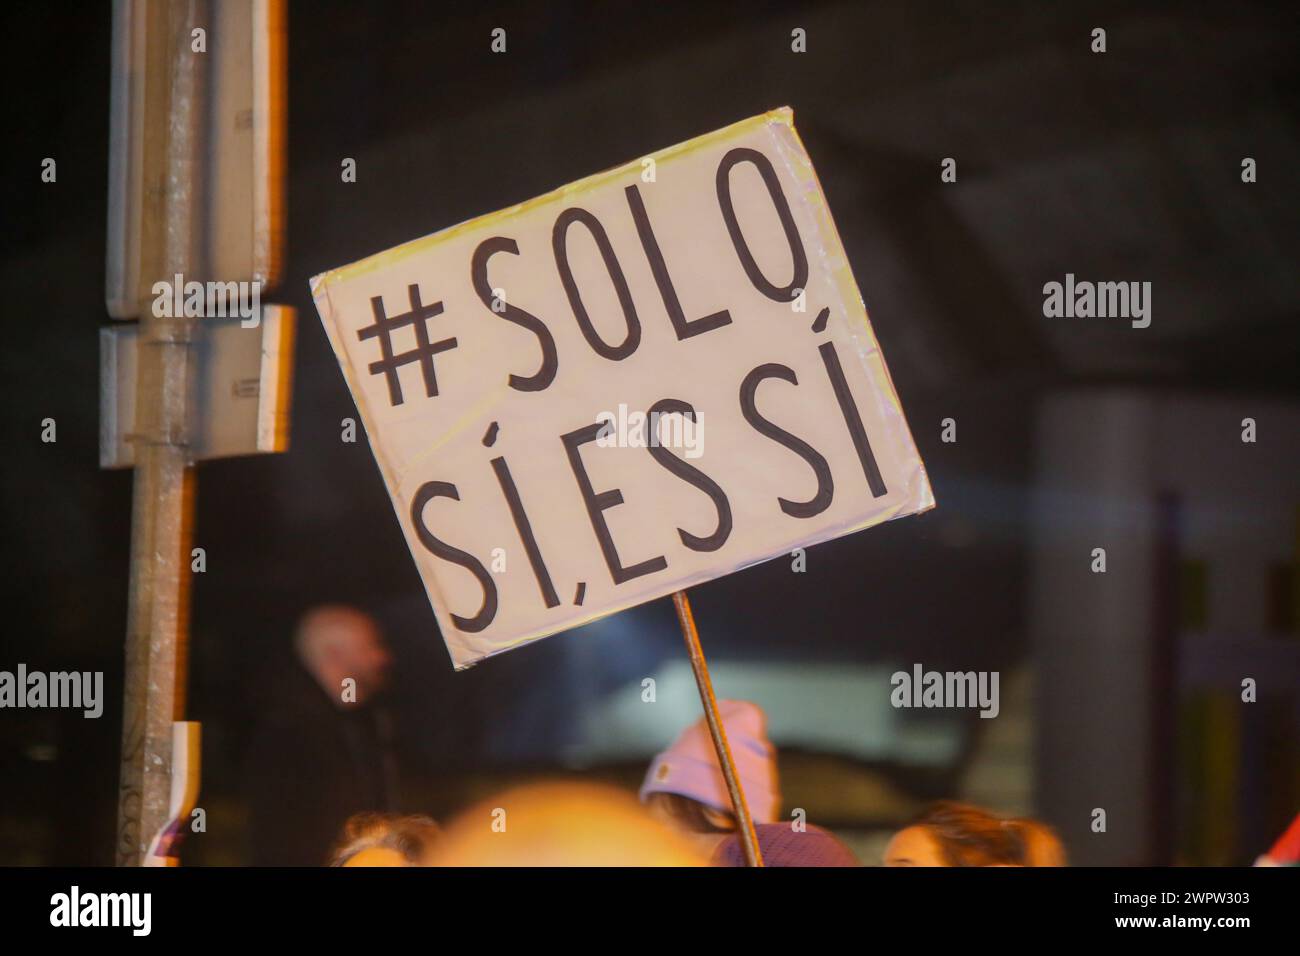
(423, 352)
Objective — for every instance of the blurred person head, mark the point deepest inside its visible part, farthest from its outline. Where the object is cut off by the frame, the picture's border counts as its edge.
(379, 839)
(336, 642)
(684, 786)
(949, 833)
(562, 824)
(1042, 846)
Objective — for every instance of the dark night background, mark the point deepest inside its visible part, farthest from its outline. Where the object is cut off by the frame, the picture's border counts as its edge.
(1117, 166)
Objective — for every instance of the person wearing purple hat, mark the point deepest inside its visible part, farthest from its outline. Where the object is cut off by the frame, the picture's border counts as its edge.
(684, 788)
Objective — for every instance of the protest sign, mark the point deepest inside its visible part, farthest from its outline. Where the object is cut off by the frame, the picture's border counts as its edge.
(647, 379)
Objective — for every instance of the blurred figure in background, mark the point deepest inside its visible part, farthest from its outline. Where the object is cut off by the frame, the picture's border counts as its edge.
(562, 824)
(685, 789)
(1042, 846)
(948, 833)
(783, 845)
(378, 839)
(324, 750)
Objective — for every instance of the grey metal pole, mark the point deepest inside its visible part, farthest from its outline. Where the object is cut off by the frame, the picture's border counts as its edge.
(162, 504)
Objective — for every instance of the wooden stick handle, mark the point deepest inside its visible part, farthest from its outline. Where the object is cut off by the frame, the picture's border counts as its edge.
(748, 838)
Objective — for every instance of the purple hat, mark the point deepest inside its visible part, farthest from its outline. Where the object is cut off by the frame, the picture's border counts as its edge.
(690, 766)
